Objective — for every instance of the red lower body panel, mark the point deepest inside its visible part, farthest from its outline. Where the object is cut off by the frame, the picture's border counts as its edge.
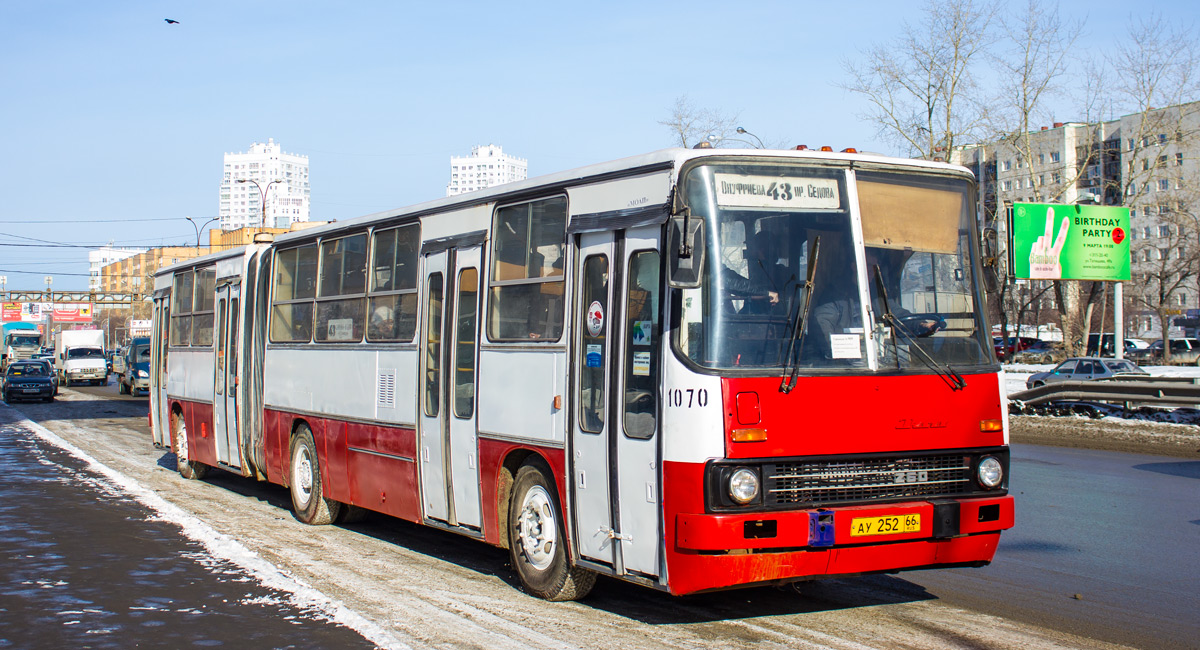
(198, 418)
(372, 466)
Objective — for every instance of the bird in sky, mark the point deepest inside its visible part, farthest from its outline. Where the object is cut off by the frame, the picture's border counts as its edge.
(171, 22)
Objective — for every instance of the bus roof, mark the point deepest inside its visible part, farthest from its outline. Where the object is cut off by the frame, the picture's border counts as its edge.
(662, 160)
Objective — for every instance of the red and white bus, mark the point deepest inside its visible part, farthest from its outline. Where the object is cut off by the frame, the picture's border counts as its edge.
(692, 370)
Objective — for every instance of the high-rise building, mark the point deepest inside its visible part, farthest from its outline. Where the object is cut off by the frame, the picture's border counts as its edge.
(264, 172)
(487, 165)
(102, 257)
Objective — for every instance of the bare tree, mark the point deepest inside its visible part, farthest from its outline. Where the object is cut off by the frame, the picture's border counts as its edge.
(1031, 64)
(1156, 77)
(1031, 68)
(921, 87)
(690, 125)
(1165, 266)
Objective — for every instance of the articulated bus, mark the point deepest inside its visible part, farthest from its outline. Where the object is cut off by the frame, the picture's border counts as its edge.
(693, 370)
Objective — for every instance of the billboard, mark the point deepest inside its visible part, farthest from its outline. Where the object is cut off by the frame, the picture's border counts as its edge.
(1070, 242)
(36, 312)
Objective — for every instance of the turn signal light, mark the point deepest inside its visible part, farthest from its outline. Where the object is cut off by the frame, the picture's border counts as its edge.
(991, 425)
(749, 435)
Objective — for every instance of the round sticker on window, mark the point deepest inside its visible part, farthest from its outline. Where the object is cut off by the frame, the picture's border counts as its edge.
(595, 318)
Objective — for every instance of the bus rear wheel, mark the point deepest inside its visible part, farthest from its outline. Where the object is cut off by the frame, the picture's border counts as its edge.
(189, 469)
(536, 539)
(305, 485)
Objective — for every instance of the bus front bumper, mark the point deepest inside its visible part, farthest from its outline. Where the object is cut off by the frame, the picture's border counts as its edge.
(714, 551)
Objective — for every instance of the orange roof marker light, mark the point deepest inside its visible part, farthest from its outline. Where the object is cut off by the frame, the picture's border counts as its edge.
(826, 148)
(849, 150)
(801, 147)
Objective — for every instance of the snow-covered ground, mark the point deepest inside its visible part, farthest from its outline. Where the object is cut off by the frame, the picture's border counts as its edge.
(1016, 374)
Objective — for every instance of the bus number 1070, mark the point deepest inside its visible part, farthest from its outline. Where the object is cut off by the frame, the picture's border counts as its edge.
(687, 397)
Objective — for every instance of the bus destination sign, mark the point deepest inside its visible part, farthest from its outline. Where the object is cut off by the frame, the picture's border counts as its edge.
(745, 191)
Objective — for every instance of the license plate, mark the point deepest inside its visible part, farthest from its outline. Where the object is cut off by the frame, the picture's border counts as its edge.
(31, 390)
(890, 525)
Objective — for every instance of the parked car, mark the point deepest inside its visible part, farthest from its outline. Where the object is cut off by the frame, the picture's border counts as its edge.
(1085, 368)
(1015, 344)
(1042, 352)
(28, 380)
(1183, 351)
(1096, 349)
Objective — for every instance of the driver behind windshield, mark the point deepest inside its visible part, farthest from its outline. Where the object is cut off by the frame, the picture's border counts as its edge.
(889, 265)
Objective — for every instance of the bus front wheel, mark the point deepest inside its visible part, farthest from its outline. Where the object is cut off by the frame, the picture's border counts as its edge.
(305, 485)
(536, 538)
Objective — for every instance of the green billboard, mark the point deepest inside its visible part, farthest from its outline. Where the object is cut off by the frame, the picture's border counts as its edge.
(1070, 242)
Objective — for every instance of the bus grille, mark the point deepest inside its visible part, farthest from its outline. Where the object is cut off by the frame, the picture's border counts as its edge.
(872, 479)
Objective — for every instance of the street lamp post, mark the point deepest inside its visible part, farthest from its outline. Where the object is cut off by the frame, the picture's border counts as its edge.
(262, 195)
(199, 227)
(742, 131)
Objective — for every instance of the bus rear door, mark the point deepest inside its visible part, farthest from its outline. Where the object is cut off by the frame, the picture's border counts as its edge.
(449, 456)
(225, 402)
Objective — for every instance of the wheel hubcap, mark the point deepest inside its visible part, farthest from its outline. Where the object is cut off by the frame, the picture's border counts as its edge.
(536, 528)
(181, 442)
(302, 476)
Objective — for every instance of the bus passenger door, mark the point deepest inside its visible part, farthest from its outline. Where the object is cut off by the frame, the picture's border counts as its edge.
(449, 448)
(592, 504)
(225, 420)
(638, 395)
(158, 370)
(462, 317)
(614, 437)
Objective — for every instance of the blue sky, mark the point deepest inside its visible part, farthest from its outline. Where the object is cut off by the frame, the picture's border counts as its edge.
(115, 122)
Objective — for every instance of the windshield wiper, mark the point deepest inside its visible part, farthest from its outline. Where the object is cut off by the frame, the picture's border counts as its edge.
(799, 325)
(954, 380)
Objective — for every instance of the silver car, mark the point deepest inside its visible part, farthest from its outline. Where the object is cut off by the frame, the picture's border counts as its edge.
(1085, 368)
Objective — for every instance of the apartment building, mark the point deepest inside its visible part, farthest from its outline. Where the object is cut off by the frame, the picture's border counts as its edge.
(263, 187)
(487, 166)
(102, 257)
(1147, 161)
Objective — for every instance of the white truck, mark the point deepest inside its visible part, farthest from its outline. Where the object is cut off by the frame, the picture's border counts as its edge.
(79, 357)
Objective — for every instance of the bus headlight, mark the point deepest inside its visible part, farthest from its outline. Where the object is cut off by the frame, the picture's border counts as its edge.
(142, 374)
(990, 472)
(743, 485)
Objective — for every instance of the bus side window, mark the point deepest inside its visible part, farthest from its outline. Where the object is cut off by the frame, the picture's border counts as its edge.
(526, 284)
(642, 345)
(392, 302)
(433, 347)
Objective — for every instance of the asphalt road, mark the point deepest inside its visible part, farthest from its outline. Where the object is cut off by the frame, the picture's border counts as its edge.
(1106, 545)
(1118, 530)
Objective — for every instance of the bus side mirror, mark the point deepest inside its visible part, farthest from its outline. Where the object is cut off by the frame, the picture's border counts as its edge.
(686, 253)
(991, 260)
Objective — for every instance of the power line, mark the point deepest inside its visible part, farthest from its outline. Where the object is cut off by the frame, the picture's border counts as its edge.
(38, 221)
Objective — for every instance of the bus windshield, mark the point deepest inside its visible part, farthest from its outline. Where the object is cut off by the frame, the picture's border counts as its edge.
(771, 228)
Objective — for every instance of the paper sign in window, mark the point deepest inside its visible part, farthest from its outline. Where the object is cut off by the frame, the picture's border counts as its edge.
(845, 346)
